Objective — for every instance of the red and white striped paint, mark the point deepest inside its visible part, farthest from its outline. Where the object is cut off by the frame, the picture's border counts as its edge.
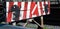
(33, 9)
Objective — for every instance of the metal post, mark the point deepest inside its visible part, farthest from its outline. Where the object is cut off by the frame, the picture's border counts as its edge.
(14, 24)
(25, 24)
(28, 21)
(42, 24)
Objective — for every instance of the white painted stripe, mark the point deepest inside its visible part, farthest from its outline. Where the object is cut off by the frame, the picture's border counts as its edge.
(46, 2)
(43, 8)
(42, 4)
(21, 12)
(39, 11)
(15, 3)
(48, 13)
(34, 8)
(34, 16)
(7, 6)
(28, 10)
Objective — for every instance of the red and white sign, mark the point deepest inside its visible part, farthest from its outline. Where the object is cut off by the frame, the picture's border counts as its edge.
(34, 9)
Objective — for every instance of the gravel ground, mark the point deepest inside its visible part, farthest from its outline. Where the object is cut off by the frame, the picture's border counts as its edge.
(51, 27)
(29, 26)
(45, 26)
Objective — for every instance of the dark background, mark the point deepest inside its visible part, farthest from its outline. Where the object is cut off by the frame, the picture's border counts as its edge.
(54, 17)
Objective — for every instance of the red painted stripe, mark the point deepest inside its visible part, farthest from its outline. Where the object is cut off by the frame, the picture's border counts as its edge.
(25, 12)
(10, 13)
(36, 11)
(32, 6)
(41, 8)
(44, 3)
(19, 4)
